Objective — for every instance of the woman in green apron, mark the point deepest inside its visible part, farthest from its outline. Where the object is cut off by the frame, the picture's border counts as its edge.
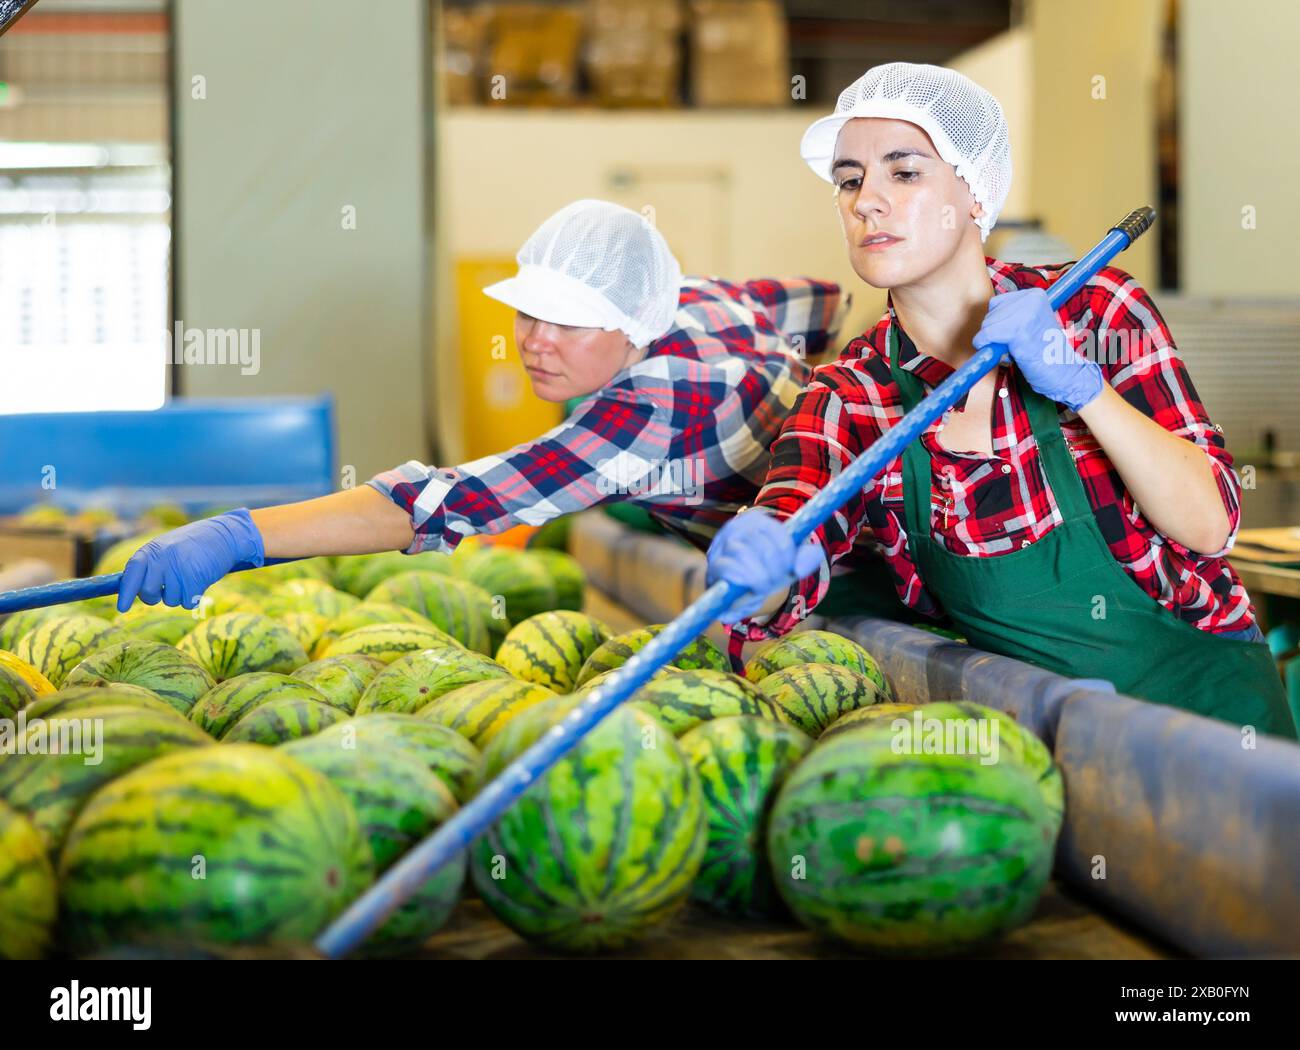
(1074, 509)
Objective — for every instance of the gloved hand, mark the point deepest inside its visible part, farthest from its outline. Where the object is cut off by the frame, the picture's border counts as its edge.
(754, 549)
(1025, 323)
(180, 565)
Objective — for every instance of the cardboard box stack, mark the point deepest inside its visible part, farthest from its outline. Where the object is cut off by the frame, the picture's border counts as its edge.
(633, 52)
(739, 53)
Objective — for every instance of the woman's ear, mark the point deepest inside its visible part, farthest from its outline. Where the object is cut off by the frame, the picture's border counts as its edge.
(977, 211)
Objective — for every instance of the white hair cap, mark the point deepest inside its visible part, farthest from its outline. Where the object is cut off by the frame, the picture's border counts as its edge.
(964, 122)
(594, 264)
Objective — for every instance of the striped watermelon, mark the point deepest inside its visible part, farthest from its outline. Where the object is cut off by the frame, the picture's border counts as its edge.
(682, 700)
(420, 677)
(220, 708)
(567, 575)
(367, 614)
(604, 846)
(551, 647)
(741, 762)
(56, 646)
(520, 578)
(306, 627)
(871, 715)
(162, 669)
(341, 678)
(454, 605)
(157, 623)
(235, 644)
(307, 596)
(28, 888)
(15, 625)
(226, 596)
(812, 696)
(103, 607)
(616, 651)
(479, 711)
(443, 751)
(813, 647)
(908, 854)
(389, 641)
(32, 678)
(239, 844)
(51, 780)
(359, 574)
(16, 692)
(108, 694)
(283, 718)
(303, 569)
(1015, 743)
(115, 558)
(398, 802)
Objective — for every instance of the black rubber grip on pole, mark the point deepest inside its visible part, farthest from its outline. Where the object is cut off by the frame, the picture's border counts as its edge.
(1136, 222)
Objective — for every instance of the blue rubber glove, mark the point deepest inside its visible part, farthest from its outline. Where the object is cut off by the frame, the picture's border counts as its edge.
(754, 549)
(1025, 323)
(180, 565)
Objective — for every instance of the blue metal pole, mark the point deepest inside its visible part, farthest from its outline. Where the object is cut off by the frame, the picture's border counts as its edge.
(407, 875)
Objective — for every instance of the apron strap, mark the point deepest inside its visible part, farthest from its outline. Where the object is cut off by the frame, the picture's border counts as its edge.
(1044, 422)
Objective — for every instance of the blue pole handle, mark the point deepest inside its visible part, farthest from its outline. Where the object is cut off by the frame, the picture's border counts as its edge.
(78, 590)
(369, 910)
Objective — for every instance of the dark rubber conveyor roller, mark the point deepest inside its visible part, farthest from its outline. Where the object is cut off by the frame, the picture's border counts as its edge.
(1196, 835)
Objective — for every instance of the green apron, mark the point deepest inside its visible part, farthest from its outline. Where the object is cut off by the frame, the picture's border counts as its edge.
(1064, 603)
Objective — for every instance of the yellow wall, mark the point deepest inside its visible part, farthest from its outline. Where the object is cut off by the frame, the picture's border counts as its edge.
(1094, 158)
(1239, 81)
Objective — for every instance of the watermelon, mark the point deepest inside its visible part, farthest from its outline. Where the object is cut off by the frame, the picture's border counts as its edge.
(302, 569)
(813, 647)
(32, 678)
(60, 763)
(398, 802)
(341, 678)
(15, 625)
(741, 761)
(873, 714)
(1016, 744)
(359, 574)
(367, 614)
(389, 641)
(812, 696)
(455, 606)
(160, 668)
(115, 558)
(616, 651)
(908, 854)
(104, 607)
(239, 844)
(567, 575)
(220, 708)
(551, 647)
(105, 694)
(283, 718)
(16, 692)
(235, 644)
(306, 627)
(30, 892)
(225, 597)
(157, 623)
(443, 751)
(682, 700)
(604, 846)
(420, 677)
(56, 646)
(307, 596)
(519, 578)
(478, 711)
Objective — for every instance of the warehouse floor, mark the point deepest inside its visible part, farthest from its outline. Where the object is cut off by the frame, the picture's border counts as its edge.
(1063, 927)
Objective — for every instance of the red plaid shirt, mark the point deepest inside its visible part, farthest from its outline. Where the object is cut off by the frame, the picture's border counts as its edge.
(984, 507)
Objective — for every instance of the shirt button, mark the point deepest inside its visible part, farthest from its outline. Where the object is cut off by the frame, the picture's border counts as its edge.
(1003, 392)
(1006, 468)
(1024, 543)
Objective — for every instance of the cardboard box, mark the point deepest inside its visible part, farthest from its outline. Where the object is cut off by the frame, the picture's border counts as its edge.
(739, 53)
(633, 53)
(533, 55)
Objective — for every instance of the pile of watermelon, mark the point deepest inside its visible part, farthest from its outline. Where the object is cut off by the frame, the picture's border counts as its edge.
(237, 774)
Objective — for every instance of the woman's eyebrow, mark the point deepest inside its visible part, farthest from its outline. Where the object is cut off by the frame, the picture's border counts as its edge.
(900, 154)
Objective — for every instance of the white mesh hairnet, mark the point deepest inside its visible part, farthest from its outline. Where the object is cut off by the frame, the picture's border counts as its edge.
(594, 264)
(963, 120)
